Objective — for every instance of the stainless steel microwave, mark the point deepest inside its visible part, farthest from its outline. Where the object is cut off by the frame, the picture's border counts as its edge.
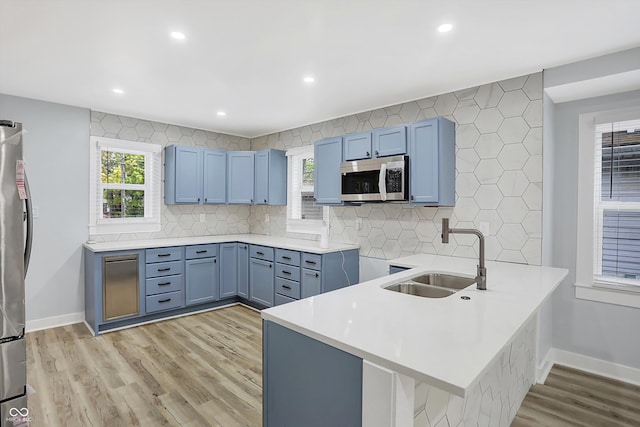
(375, 180)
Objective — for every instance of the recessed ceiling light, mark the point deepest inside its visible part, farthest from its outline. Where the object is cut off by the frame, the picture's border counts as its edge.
(308, 79)
(118, 91)
(221, 113)
(444, 28)
(178, 35)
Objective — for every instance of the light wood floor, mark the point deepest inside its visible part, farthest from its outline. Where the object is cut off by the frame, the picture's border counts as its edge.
(206, 369)
(198, 370)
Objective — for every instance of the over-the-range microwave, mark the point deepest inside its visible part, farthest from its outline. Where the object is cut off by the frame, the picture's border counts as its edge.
(375, 180)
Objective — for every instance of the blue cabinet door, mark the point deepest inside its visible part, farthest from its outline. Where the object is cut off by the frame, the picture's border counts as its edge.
(240, 177)
(262, 178)
(327, 159)
(183, 174)
(391, 141)
(201, 277)
(357, 146)
(423, 162)
(310, 283)
(228, 270)
(243, 270)
(215, 176)
(262, 281)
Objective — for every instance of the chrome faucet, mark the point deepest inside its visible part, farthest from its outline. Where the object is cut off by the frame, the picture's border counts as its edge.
(481, 276)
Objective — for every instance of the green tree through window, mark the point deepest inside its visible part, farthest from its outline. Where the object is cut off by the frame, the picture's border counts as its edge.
(122, 201)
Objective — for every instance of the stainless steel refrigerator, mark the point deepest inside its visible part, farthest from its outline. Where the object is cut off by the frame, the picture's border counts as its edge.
(15, 249)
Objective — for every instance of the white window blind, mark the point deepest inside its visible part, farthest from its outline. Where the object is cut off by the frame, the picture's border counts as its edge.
(617, 203)
(125, 186)
(303, 216)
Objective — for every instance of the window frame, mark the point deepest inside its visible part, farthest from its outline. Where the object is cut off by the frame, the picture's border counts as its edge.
(297, 225)
(151, 222)
(590, 286)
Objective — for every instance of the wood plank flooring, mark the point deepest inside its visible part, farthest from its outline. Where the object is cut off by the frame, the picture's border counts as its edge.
(206, 370)
(575, 398)
(200, 370)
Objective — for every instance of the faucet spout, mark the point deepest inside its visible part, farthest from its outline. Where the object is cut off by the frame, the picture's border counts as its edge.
(481, 274)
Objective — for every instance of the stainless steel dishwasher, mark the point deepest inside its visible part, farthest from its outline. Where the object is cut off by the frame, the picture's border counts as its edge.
(120, 287)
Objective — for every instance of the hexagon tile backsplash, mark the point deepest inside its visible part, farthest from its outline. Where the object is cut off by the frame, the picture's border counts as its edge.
(498, 176)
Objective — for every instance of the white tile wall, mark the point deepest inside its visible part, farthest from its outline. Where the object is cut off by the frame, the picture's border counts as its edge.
(498, 181)
(177, 220)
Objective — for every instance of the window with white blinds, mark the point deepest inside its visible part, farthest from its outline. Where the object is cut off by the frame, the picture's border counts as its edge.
(617, 203)
(125, 186)
(303, 216)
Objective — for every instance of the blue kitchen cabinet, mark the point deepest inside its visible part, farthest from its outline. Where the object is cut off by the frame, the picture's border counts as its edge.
(228, 270)
(390, 141)
(270, 177)
(240, 177)
(215, 176)
(310, 283)
(201, 274)
(243, 270)
(357, 146)
(183, 175)
(327, 159)
(432, 162)
(262, 280)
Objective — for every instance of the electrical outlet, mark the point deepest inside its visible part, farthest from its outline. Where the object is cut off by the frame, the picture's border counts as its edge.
(358, 223)
(202, 218)
(484, 228)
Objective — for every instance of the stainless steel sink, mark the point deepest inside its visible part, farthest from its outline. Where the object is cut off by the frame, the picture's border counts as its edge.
(448, 281)
(418, 289)
(432, 285)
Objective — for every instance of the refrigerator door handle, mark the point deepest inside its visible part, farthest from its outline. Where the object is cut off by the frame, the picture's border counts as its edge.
(29, 242)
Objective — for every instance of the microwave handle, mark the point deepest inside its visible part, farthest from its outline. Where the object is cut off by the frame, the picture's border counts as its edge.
(382, 182)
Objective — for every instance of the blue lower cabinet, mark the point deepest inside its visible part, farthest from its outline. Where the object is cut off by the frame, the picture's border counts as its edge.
(261, 277)
(165, 301)
(281, 299)
(243, 270)
(308, 383)
(228, 270)
(310, 283)
(201, 280)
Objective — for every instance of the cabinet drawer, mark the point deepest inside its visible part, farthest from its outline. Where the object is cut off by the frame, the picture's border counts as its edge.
(284, 256)
(201, 251)
(165, 301)
(312, 261)
(262, 252)
(159, 285)
(288, 288)
(288, 272)
(281, 299)
(164, 254)
(165, 268)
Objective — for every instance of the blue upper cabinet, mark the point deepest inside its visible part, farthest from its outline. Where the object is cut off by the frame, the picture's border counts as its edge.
(183, 175)
(215, 176)
(432, 162)
(240, 177)
(271, 177)
(391, 141)
(327, 159)
(357, 146)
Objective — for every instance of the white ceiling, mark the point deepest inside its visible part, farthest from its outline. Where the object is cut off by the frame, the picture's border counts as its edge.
(248, 57)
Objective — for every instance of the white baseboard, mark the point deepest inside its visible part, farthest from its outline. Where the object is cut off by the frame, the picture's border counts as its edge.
(53, 322)
(588, 364)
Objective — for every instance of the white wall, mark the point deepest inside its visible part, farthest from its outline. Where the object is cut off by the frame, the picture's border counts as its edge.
(56, 150)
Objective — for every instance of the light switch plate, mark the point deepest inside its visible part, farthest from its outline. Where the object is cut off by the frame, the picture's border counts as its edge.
(484, 228)
(202, 218)
(358, 223)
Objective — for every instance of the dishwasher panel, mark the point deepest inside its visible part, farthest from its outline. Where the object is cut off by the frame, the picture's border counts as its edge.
(120, 287)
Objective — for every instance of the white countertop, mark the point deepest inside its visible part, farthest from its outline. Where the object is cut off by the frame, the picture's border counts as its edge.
(253, 239)
(447, 342)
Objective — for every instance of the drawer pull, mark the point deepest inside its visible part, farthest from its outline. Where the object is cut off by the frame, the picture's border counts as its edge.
(164, 284)
(201, 252)
(286, 287)
(286, 257)
(260, 253)
(316, 274)
(310, 262)
(164, 300)
(286, 272)
(163, 255)
(164, 269)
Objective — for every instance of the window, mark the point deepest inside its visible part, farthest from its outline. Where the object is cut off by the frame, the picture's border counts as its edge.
(302, 215)
(608, 223)
(125, 186)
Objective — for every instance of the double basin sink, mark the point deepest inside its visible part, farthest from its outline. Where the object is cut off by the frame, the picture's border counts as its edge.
(432, 285)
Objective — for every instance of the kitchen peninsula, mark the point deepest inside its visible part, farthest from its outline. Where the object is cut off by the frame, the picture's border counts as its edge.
(390, 359)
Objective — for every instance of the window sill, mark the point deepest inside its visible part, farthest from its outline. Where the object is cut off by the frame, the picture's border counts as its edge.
(304, 228)
(594, 292)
